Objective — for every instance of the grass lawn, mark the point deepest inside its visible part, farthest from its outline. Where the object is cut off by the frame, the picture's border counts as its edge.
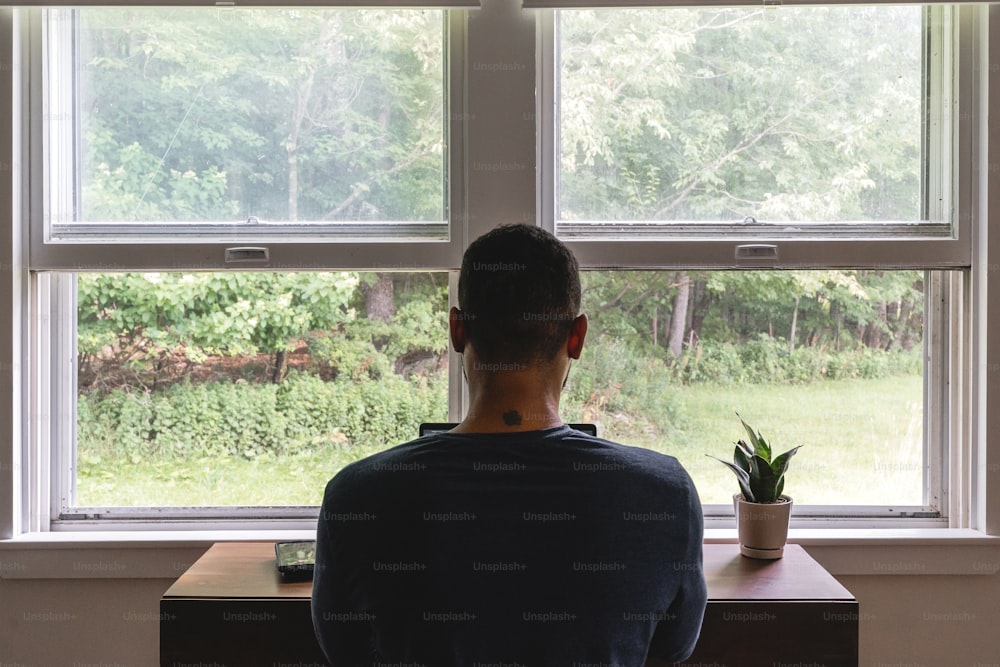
(292, 479)
(863, 444)
(862, 438)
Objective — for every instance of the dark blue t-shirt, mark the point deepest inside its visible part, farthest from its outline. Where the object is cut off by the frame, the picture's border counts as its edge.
(535, 549)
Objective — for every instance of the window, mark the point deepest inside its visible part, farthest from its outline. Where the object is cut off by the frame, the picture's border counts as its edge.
(193, 157)
(740, 152)
(769, 128)
(244, 389)
(829, 359)
(228, 128)
(826, 246)
(804, 120)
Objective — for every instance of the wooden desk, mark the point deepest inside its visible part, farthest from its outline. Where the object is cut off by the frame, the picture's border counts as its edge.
(231, 608)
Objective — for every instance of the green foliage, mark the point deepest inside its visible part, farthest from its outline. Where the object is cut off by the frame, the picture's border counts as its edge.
(768, 361)
(251, 420)
(877, 422)
(718, 114)
(282, 114)
(761, 479)
(610, 380)
(141, 319)
(365, 348)
(833, 310)
(710, 362)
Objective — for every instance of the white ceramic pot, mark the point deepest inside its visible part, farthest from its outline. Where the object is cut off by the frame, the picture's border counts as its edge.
(762, 527)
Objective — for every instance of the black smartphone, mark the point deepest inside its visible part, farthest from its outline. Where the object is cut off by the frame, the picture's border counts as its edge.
(295, 560)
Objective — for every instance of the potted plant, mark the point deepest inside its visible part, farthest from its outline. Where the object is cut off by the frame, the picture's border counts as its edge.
(762, 511)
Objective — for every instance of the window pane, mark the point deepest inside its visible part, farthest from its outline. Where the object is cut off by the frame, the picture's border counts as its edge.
(249, 388)
(831, 360)
(793, 114)
(259, 118)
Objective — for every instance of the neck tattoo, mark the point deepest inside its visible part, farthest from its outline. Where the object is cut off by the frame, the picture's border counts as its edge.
(512, 418)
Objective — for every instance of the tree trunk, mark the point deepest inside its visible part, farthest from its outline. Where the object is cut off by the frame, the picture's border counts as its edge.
(656, 316)
(795, 321)
(906, 325)
(838, 322)
(701, 301)
(873, 334)
(902, 331)
(380, 299)
(303, 94)
(678, 318)
(279, 367)
(293, 185)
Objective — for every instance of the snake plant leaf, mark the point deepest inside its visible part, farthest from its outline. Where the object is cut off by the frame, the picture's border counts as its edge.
(763, 481)
(742, 456)
(780, 488)
(760, 446)
(780, 464)
(742, 476)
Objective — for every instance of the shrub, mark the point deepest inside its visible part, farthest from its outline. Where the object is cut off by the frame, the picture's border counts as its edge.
(767, 361)
(709, 362)
(764, 359)
(806, 364)
(242, 419)
(614, 382)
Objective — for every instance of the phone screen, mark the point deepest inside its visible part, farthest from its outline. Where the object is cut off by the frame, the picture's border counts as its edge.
(295, 553)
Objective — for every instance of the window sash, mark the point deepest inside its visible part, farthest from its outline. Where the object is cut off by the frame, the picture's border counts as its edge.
(933, 243)
(113, 246)
(944, 345)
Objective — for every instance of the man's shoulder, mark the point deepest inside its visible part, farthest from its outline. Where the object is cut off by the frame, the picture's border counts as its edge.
(565, 450)
(378, 461)
(365, 472)
(627, 457)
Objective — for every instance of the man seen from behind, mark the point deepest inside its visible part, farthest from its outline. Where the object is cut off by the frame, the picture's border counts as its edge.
(511, 539)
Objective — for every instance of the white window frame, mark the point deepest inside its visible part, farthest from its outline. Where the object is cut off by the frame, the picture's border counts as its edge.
(946, 339)
(111, 246)
(494, 128)
(51, 445)
(830, 246)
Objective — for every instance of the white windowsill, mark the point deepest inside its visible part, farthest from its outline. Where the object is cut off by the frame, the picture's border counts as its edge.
(166, 554)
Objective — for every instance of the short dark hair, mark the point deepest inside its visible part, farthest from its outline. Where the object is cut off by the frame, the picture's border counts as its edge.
(519, 291)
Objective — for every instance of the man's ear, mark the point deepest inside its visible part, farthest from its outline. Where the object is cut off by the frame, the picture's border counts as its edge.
(456, 329)
(576, 336)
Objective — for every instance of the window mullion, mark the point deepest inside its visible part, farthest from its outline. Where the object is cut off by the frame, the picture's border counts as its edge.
(942, 343)
(41, 482)
(547, 118)
(63, 372)
(13, 89)
(458, 388)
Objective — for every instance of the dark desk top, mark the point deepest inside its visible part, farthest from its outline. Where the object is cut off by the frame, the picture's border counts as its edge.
(247, 570)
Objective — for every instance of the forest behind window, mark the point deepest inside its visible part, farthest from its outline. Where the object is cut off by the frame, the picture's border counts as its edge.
(803, 114)
(254, 388)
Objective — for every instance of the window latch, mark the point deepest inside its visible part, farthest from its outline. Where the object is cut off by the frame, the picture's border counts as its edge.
(247, 255)
(757, 251)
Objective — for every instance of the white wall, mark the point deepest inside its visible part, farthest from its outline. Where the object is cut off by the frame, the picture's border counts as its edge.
(906, 619)
(928, 621)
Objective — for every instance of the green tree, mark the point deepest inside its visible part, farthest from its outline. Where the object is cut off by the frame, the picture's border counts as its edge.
(150, 321)
(279, 114)
(802, 114)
